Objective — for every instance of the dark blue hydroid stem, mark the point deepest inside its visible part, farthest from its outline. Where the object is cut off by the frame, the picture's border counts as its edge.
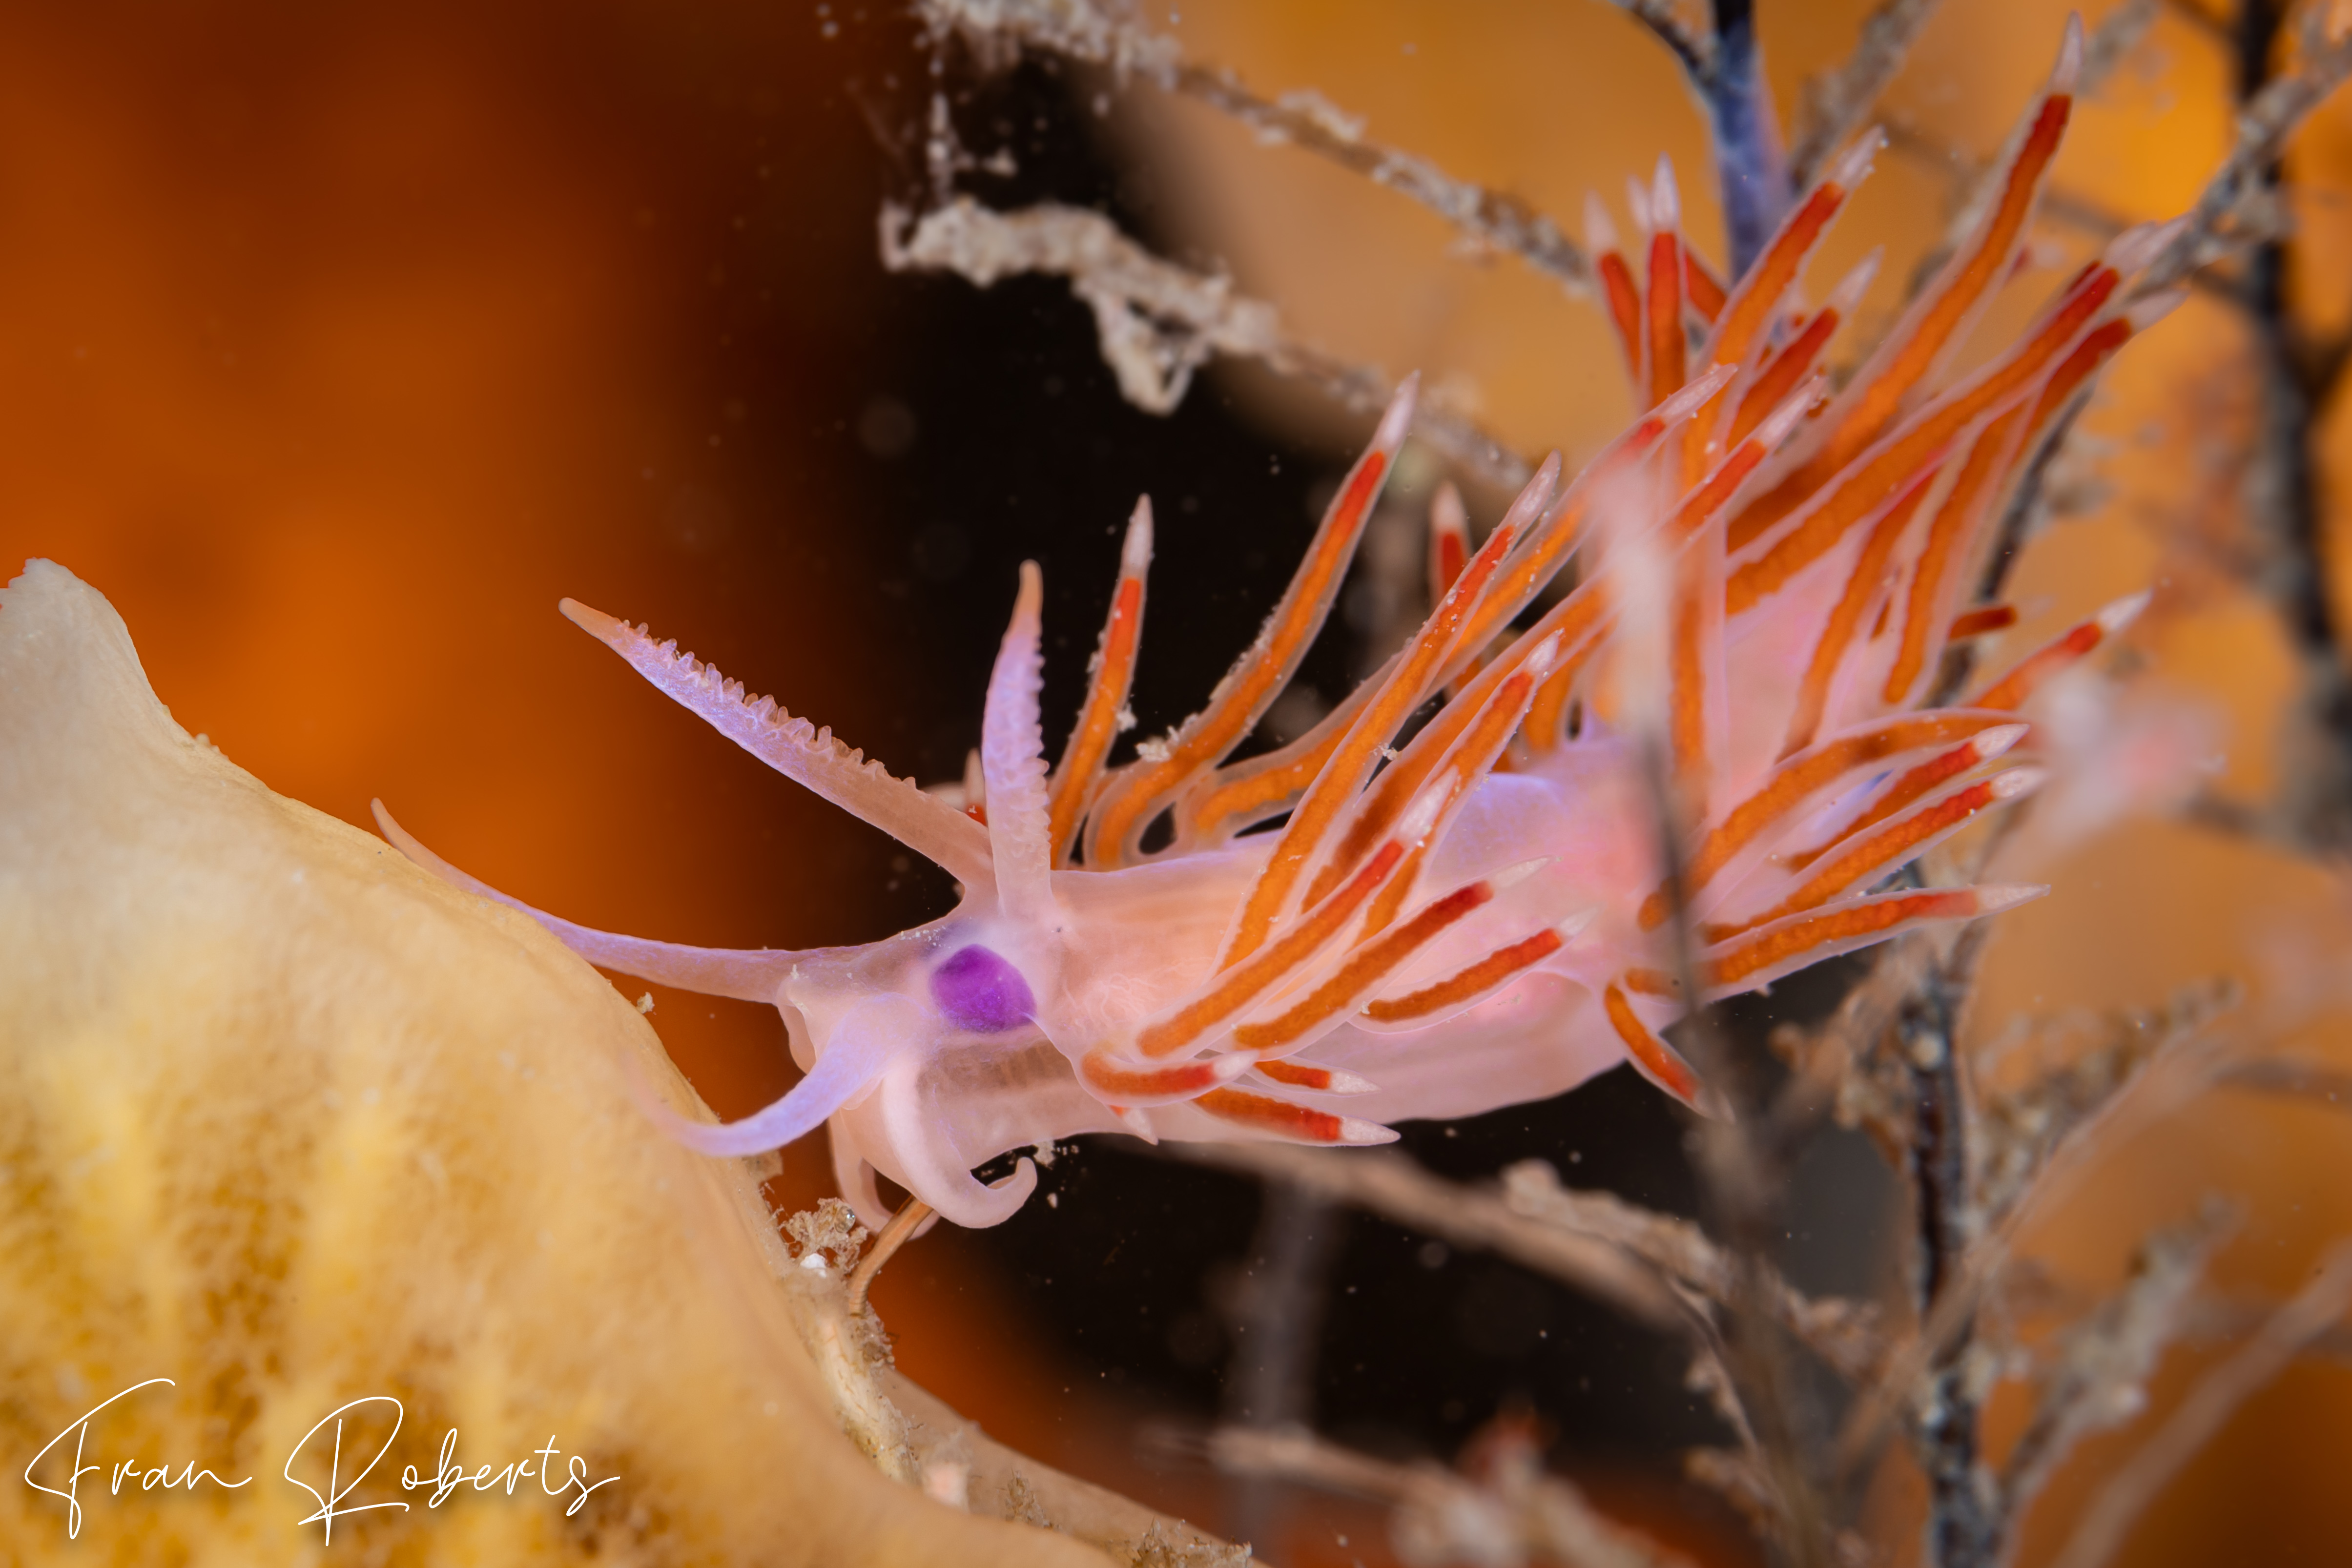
(1725, 69)
(1749, 162)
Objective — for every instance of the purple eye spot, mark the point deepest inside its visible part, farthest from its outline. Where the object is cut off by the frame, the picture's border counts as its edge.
(977, 990)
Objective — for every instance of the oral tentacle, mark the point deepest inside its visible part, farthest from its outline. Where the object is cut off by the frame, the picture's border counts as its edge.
(753, 974)
(856, 1053)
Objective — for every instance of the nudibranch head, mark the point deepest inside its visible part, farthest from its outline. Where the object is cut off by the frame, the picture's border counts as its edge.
(1441, 920)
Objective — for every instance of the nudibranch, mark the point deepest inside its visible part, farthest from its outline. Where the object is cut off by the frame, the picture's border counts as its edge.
(1768, 582)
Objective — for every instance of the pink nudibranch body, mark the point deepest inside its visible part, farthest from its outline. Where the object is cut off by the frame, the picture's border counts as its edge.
(1769, 581)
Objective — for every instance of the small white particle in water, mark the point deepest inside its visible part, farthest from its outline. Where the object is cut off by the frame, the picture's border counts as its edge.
(646, 1003)
(1053, 1200)
(814, 1262)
